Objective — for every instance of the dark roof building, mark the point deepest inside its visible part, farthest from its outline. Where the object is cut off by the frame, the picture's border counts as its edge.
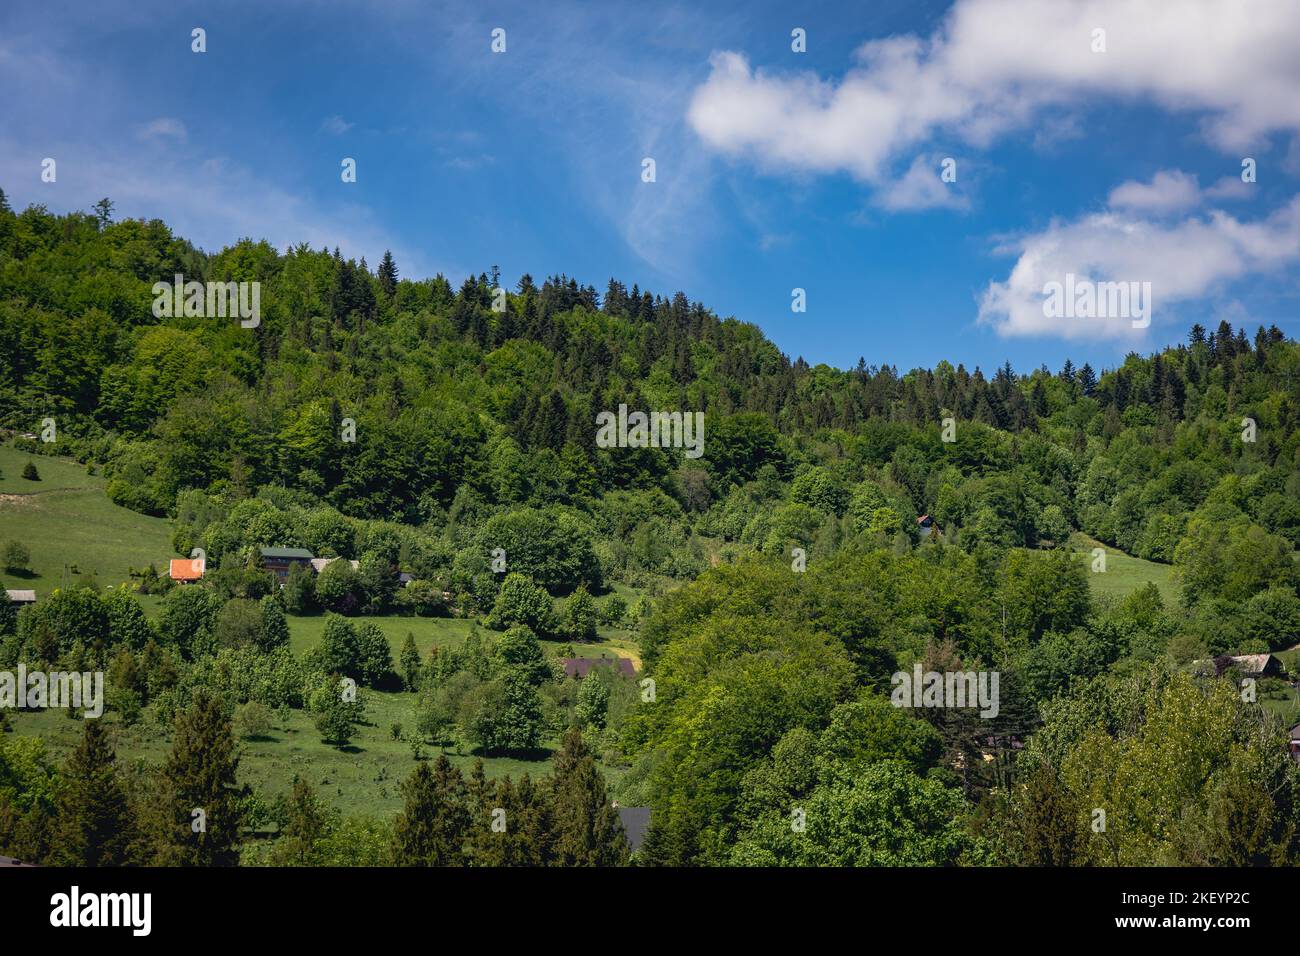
(280, 560)
(580, 666)
(636, 823)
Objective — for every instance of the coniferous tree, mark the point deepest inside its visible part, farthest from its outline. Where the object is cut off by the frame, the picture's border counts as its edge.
(433, 827)
(304, 825)
(1087, 380)
(1044, 823)
(412, 669)
(195, 813)
(588, 831)
(94, 824)
(388, 275)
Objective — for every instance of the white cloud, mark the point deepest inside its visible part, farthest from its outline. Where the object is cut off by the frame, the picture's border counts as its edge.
(1170, 190)
(335, 125)
(1183, 261)
(921, 187)
(165, 127)
(998, 65)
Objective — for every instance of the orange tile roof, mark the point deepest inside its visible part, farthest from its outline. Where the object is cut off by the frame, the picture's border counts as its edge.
(186, 569)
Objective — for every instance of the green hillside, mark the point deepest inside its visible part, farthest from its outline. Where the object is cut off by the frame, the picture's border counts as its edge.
(65, 520)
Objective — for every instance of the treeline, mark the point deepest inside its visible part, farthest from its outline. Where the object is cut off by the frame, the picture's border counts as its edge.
(191, 811)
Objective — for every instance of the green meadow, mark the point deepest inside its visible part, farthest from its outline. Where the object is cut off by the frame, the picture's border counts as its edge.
(1125, 574)
(70, 527)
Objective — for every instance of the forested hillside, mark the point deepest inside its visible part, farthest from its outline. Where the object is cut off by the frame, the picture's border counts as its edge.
(412, 426)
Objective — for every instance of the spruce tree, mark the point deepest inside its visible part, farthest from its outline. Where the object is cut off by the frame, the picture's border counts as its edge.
(388, 274)
(433, 826)
(304, 824)
(412, 669)
(588, 831)
(94, 824)
(195, 814)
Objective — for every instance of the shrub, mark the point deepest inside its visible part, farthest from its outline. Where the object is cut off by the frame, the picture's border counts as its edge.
(16, 557)
(252, 720)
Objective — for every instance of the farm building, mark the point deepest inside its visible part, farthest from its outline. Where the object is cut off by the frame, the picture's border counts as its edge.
(579, 666)
(280, 560)
(21, 597)
(1248, 665)
(1295, 742)
(186, 570)
(926, 526)
(320, 564)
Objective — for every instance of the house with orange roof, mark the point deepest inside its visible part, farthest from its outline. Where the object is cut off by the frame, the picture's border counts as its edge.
(186, 570)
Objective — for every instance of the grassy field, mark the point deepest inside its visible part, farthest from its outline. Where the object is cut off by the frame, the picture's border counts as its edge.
(65, 518)
(1125, 574)
(363, 777)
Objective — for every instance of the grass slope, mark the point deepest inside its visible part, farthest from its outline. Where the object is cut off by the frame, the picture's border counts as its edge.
(65, 518)
(1125, 574)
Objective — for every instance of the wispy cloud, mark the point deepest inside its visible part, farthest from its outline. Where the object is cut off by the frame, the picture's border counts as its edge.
(163, 128)
(335, 125)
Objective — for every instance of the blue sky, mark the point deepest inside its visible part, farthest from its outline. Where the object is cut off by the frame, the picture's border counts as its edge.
(774, 169)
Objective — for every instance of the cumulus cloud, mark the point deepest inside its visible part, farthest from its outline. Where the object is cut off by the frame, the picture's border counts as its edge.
(1182, 260)
(1170, 190)
(998, 65)
(921, 187)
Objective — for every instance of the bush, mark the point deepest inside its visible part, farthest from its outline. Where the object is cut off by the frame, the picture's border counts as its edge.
(252, 720)
(578, 616)
(239, 624)
(423, 598)
(612, 611)
(336, 718)
(338, 588)
(520, 601)
(16, 557)
(30, 472)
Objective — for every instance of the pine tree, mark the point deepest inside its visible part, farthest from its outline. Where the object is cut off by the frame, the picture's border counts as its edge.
(388, 275)
(412, 670)
(1044, 823)
(588, 831)
(304, 825)
(1087, 380)
(433, 826)
(94, 824)
(195, 812)
(104, 212)
(525, 837)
